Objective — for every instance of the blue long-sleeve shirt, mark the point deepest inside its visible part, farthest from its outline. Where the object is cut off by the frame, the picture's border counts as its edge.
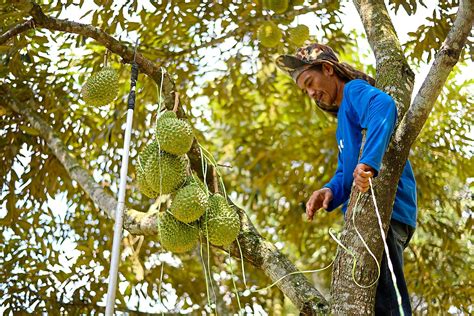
(366, 107)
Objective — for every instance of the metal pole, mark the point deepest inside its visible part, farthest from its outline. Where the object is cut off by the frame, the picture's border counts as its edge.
(114, 264)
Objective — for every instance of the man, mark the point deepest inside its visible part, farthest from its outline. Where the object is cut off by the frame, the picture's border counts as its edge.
(349, 95)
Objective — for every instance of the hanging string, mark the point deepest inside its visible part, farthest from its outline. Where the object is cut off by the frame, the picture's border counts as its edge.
(206, 156)
(242, 262)
(350, 252)
(160, 193)
(389, 261)
(233, 282)
(205, 272)
(204, 173)
(160, 100)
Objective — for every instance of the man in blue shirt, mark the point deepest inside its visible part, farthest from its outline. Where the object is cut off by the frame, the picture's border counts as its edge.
(350, 95)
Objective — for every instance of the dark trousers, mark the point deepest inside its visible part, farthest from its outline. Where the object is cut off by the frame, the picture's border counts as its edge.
(398, 237)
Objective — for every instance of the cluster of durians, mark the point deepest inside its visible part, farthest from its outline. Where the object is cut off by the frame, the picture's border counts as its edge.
(162, 168)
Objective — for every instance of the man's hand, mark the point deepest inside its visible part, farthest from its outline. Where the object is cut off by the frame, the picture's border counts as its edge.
(318, 199)
(361, 174)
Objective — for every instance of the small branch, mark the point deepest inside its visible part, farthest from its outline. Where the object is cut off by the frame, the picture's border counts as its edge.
(124, 50)
(17, 29)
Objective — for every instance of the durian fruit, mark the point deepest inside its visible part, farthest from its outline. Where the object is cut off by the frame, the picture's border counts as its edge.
(164, 172)
(221, 223)
(176, 236)
(143, 158)
(189, 203)
(101, 88)
(143, 184)
(269, 34)
(175, 136)
(277, 6)
(299, 34)
(147, 152)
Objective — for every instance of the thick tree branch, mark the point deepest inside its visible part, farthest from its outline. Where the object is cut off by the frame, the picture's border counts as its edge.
(101, 198)
(394, 76)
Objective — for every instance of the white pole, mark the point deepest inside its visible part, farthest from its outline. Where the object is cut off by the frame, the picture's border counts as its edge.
(114, 264)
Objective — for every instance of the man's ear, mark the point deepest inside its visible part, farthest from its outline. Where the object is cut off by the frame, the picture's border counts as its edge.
(328, 70)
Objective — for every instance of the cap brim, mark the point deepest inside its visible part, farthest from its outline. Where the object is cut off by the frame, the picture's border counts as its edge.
(289, 63)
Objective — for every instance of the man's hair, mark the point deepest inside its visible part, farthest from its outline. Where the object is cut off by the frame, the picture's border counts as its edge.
(319, 67)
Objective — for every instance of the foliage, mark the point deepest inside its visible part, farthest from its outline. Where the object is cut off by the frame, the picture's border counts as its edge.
(279, 148)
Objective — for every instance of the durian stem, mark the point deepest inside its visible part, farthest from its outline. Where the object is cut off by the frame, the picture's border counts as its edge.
(176, 102)
(106, 57)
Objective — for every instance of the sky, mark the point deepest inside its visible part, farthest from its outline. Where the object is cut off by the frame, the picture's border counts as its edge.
(403, 25)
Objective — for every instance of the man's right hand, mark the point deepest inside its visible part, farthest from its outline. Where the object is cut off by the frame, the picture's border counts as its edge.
(318, 199)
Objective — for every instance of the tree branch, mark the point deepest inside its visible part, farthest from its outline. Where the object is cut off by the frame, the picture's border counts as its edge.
(444, 62)
(17, 29)
(394, 75)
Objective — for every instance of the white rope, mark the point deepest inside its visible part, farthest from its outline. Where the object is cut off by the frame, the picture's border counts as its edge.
(390, 265)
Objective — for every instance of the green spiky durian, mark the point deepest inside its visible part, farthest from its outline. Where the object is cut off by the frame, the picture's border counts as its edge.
(146, 153)
(143, 185)
(176, 236)
(142, 160)
(175, 136)
(269, 34)
(221, 223)
(277, 6)
(299, 34)
(189, 203)
(164, 172)
(101, 88)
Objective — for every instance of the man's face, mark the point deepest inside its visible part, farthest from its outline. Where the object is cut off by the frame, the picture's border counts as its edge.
(321, 87)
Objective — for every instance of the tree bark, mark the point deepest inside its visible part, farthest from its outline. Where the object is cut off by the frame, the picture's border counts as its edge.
(396, 79)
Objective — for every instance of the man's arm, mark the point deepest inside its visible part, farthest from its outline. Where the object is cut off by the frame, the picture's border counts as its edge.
(377, 116)
(379, 120)
(330, 196)
(336, 184)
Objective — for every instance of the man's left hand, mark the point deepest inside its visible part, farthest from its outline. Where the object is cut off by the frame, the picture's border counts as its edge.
(361, 174)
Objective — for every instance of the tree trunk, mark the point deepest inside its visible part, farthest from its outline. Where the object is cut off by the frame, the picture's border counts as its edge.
(393, 76)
